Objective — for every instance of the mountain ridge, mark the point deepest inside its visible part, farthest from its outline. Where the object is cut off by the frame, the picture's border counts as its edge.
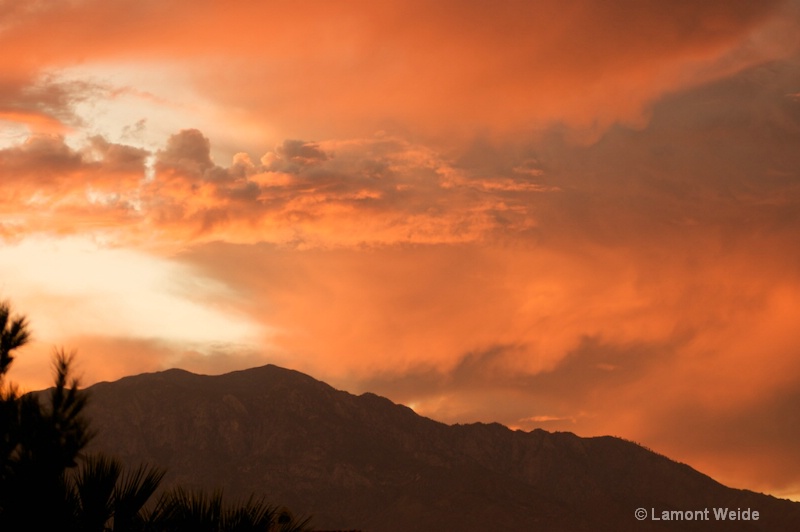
(365, 462)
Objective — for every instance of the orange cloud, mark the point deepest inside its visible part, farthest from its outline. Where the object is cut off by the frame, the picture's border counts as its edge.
(335, 193)
(643, 342)
(351, 69)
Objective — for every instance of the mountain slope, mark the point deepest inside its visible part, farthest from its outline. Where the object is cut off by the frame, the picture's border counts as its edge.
(364, 462)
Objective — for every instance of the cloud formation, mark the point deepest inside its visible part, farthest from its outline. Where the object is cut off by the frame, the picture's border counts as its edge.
(581, 216)
(441, 69)
(673, 175)
(375, 191)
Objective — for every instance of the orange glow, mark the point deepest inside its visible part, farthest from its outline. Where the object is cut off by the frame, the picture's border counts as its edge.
(576, 216)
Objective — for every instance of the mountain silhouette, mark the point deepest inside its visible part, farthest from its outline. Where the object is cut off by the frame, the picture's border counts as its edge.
(363, 462)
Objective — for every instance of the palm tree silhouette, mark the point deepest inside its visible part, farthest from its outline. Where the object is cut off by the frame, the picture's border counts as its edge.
(183, 511)
(132, 492)
(107, 497)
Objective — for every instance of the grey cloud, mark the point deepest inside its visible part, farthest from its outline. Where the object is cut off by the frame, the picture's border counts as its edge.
(119, 157)
(589, 373)
(43, 157)
(292, 156)
(301, 152)
(44, 100)
(188, 151)
(47, 159)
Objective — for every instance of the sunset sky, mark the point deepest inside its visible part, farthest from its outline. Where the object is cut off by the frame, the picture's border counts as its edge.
(580, 216)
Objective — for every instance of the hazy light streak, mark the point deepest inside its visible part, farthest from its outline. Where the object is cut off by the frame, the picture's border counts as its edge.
(75, 286)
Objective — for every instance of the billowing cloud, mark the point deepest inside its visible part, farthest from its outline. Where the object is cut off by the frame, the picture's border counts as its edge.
(293, 154)
(375, 191)
(187, 152)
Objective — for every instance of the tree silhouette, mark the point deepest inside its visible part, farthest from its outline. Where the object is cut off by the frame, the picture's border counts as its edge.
(13, 334)
(39, 441)
(42, 489)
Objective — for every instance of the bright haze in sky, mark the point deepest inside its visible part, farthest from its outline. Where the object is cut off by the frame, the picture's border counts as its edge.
(579, 216)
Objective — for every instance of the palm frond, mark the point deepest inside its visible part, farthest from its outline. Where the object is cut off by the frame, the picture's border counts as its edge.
(132, 492)
(95, 483)
(180, 510)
